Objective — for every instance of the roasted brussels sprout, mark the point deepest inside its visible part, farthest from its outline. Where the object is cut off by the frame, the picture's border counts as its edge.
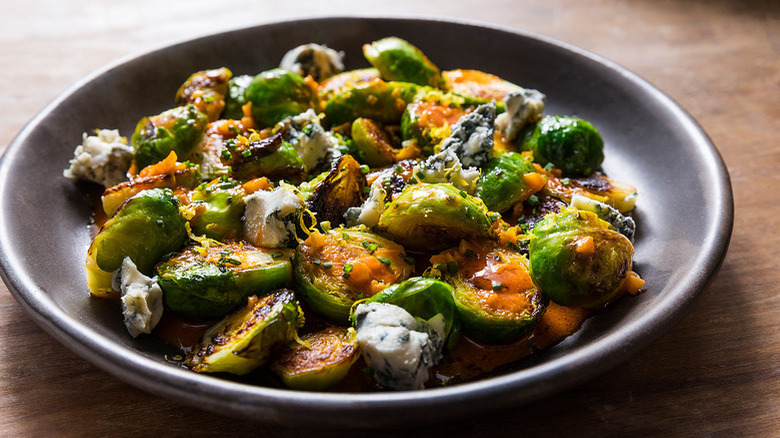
(341, 189)
(570, 143)
(479, 87)
(508, 179)
(218, 207)
(398, 60)
(343, 81)
(145, 228)
(244, 340)
(277, 94)
(208, 282)
(378, 100)
(271, 157)
(336, 268)
(320, 361)
(577, 259)
(496, 298)
(424, 298)
(206, 90)
(236, 96)
(434, 216)
(179, 130)
(372, 143)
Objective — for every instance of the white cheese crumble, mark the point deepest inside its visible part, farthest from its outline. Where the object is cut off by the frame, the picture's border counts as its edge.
(319, 61)
(373, 207)
(268, 218)
(142, 299)
(446, 167)
(624, 224)
(307, 136)
(522, 107)
(471, 138)
(103, 158)
(399, 348)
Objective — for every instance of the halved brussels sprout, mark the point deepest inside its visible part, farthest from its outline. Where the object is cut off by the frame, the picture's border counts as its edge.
(578, 259)
(179, 130)
(479, 87)
(496, 298)
(336, 84)
(271, 157)
(114, 197)
(218, 208)
(508, 179)
(236, 96)
(570, 143)
(434, 216)
(277, 94)
(336, 268)
(398, 60)
(145, 228)
(341, 189)
(428, 123)
(372, 143)
(245, 339)
(378, 100)
(206, 90)
(208, 282)
(424, 298)
(320, 361)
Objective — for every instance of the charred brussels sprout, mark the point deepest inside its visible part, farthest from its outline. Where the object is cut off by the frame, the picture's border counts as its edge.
(398, 60)
(496, 299)
(506, 180)
(207, 283)
(433, 216)
(277, 94)
(206, 90)
(372, 143)
(179, 130)
(342, 81)
(578, 259)
(378, 100)
(245, 339)
(271, 157)
(336, 268)
(218, 208)
(571, 144)
(341, 189)
(321, 361)
(180, 177)
(145, 228)
(424, 298)
(236, 96)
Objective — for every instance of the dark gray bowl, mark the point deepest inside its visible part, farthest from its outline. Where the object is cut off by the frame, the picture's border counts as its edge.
(685, 212)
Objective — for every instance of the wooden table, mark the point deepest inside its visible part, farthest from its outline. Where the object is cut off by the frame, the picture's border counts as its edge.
(717, 373)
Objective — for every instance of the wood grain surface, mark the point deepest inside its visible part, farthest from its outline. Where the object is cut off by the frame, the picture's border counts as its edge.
(717, 373)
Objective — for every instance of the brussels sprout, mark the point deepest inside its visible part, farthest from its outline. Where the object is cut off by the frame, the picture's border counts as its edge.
(218, 208)
(372, 143)
(502, 181)
(428, 123)
(277, 94)
(114, 197)
(343, 81)
(494, 294)
(424, 298)
(179, 130)
(571, 144)
(479, 87)
(334, 269)
(206, 90)
(577, 259)
(207, 283)
(341, 189)
(320, 361)
(397, 60)
(378, 100)
(433, 216)
(236, 96)
(145, 228)
(271, 157)
(245, 339)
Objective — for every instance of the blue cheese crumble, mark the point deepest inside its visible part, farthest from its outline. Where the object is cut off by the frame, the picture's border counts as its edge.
(522, 108)
(269, 217)
(319, 61)
(398, 347)
(307, 136)
(624, 224)
(446, 167)
(142, 299)
(373, 207)
(103, 158)
(471, 138)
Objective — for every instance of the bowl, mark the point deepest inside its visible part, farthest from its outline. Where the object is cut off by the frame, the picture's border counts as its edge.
(684, 212)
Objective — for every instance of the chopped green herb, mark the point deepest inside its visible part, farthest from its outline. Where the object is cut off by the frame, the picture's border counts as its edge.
(228, 260)
(462, 194)
(548, 167)
(420, 175)
(398, 168)
(344, 235)
(364, 169)
(412, 180)
(385, 261)
(246, 153)
(360, 296)
(497, 286)
(327, 265)
(533, 199)
(317, 263)
(366, 190)
(347, 268)
(276, 255)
